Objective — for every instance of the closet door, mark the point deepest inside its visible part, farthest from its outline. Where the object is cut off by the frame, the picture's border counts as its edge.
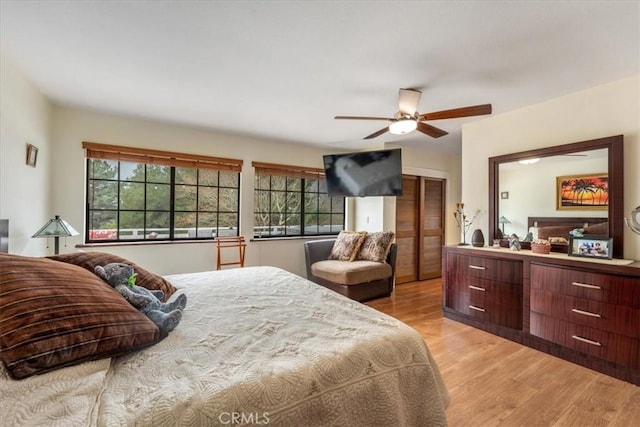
(432, 230)
(407, 211)
(420, 229)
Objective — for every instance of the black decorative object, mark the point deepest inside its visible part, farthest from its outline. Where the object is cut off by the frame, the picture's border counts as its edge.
(477, 238)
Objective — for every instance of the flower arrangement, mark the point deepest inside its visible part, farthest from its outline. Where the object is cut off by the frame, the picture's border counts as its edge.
(463, 222)
(540, 246)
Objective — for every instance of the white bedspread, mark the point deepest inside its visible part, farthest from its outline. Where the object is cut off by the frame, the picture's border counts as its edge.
(256, 345)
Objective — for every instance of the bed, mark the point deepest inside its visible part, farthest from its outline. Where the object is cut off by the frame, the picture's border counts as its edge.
(556, 229)
(256, 345)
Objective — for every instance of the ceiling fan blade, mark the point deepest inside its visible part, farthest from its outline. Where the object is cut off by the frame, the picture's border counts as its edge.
(362, 118)
(432, 131)
(476, 110)
(378, 133)
(408, 100)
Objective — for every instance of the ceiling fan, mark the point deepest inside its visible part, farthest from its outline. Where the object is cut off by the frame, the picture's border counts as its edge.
(407, 119)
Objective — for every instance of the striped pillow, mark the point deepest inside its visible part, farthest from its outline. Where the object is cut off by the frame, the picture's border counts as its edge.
(54, 314)
(146, 279)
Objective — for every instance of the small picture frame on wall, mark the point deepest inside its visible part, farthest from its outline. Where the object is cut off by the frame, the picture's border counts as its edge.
(591, 247)
(32, 155)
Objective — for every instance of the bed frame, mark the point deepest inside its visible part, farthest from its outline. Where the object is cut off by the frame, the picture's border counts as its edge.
(550, 221)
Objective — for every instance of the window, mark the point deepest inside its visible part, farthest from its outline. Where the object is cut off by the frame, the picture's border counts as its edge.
(293, 201)
(136, 194)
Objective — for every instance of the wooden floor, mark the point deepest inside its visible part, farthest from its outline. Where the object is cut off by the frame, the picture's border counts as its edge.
(493, 381)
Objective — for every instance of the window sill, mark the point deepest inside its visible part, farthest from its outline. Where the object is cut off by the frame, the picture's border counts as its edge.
(270, 239)
(143, 243)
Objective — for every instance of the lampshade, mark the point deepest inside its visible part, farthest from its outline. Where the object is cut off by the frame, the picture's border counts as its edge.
(503, 220)
(56, 227)
(403, 126)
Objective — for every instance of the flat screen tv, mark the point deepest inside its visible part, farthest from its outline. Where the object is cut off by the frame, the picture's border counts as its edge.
(366, 173)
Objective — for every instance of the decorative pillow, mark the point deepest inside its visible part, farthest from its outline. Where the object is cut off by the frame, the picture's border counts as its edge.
(346, 246)
(376, 246)
(558, 240)
(54, 315)
(146, 279)
(601, 229)
(554, 231)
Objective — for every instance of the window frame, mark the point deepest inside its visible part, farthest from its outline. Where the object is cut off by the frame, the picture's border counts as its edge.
(96, 151)
(271, 170)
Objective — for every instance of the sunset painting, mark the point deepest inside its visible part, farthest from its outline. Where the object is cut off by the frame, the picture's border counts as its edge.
(583, 192)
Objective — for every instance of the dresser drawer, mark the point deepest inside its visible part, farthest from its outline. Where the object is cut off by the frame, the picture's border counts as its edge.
(619, 319)
(490, 268)
(499, 303)
(609, 288)
(615, 348)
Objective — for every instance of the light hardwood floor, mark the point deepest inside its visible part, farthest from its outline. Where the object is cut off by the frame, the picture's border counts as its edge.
(493, 381)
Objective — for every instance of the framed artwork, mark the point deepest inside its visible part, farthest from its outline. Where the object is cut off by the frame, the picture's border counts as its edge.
(32, 155)
(591, 247)
(583, 192)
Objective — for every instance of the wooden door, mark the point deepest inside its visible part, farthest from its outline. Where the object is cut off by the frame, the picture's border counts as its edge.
(407, 211)
(432, 232)
(419, 229)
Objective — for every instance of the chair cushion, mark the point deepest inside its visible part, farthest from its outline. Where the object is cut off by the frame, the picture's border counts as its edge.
(376, 246)
(346, 246)
(351, 273)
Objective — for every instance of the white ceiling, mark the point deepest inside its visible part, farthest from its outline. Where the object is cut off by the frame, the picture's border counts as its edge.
(283, 70)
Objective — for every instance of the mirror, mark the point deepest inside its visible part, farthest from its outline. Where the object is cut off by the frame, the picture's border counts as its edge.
(597, 153)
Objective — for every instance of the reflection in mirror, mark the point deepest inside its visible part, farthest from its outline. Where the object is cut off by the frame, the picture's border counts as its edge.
(529, 189)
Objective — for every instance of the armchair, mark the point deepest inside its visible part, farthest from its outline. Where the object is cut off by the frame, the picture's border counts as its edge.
(358, 280)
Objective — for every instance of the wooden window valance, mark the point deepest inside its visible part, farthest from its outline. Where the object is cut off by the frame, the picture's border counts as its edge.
(96, 150)
(288, 170)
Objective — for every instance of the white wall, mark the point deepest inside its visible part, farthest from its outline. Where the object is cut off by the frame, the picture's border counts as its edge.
(606, 110)
(24, 190)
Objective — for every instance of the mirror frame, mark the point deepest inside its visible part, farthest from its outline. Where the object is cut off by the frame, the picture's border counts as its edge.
(615, 166)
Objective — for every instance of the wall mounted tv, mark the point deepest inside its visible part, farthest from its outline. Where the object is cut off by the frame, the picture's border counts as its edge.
(366, 173)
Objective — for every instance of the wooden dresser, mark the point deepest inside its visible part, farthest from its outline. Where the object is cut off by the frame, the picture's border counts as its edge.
(582, 310)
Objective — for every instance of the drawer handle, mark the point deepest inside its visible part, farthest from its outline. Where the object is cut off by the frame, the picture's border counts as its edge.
(477, 267)
(473, 307)
(585, 285)
(586, 313)
(588, 341)
(477, 288)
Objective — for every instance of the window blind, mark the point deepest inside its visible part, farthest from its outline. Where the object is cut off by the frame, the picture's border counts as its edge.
(288, 170)
(96, 150)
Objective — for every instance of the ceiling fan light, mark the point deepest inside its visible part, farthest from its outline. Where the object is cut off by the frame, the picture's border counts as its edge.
(403, 126)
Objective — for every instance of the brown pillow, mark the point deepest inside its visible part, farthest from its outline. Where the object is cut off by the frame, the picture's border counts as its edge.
(346, 246)
(54, 315)
(376, 246)
(601, 229)
(89, 260)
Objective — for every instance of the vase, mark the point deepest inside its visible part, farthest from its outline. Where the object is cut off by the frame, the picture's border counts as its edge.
(477, 238)
(464, 239)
